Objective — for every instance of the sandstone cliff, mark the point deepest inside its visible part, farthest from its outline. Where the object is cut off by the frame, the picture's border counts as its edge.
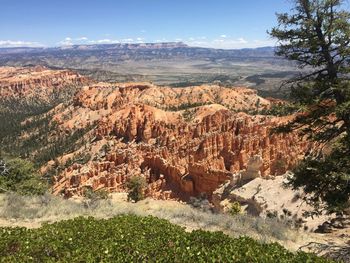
(181, 151)
(38, 82)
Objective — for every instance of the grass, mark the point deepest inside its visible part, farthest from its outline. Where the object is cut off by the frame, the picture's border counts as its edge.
(48, 208)
(34, 211)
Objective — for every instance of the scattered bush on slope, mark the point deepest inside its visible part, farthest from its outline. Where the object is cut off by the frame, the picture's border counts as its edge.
(130, 238)
(20, 176)
(136, 185)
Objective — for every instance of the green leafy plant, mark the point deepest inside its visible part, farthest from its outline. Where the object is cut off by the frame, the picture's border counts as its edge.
(130, 238)
(235, 208)
(21, 177)
(136, 185)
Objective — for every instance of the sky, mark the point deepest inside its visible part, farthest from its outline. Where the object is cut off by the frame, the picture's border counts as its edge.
(207, 23)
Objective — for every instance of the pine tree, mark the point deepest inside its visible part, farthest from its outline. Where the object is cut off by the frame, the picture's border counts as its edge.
(316, 35)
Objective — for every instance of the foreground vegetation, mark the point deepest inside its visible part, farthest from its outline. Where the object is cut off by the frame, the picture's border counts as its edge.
(129, 238)
(20, 176)
(32, 211)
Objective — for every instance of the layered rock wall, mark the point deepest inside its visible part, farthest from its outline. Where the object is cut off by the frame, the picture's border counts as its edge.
(37, 82)
(178, 157)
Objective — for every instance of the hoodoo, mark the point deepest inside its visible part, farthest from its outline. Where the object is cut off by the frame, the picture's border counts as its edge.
(181, 152)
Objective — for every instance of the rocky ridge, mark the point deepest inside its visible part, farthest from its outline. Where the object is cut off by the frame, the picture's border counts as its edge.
(184, 141)
(182, 151)
(38, 82)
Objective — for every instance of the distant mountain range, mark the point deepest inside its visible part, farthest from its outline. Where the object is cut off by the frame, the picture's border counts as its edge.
(172, 63)
(122, 52)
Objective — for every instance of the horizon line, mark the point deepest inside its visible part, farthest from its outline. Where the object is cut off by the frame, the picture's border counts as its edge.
(130, 43)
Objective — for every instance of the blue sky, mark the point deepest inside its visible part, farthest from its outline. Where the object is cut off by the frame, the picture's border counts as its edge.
(208, 23)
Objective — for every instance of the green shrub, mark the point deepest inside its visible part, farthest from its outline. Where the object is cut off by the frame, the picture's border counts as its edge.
(93, 198)
(282, 109)
(99, 194)
(136, 185)
(235, 208)
(325, 180)
(82, 158)
(21, 177)
(130, 238)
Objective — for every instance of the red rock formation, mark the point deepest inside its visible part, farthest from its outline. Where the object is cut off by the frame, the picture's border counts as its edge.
(36, 82)
(180, 153)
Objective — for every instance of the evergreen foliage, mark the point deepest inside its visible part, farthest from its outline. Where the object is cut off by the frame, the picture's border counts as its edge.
(136, 185)
(20, 176)
(316, 35)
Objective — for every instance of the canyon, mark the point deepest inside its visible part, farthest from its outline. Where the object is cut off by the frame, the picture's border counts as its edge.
(180, 152)
(184, 141)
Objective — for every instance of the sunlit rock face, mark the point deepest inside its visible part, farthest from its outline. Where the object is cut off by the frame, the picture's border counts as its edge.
(39, 83)
(184, 141)
(180, 139)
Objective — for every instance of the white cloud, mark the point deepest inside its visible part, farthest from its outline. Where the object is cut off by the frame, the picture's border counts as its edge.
(127, 40)
(19, 43)
(104, 41)
(242, 40)
(225, 42)
(222, 42)
(66, 42)
(111, 41)
(197, 39)
(162, 40)
(82, 38)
